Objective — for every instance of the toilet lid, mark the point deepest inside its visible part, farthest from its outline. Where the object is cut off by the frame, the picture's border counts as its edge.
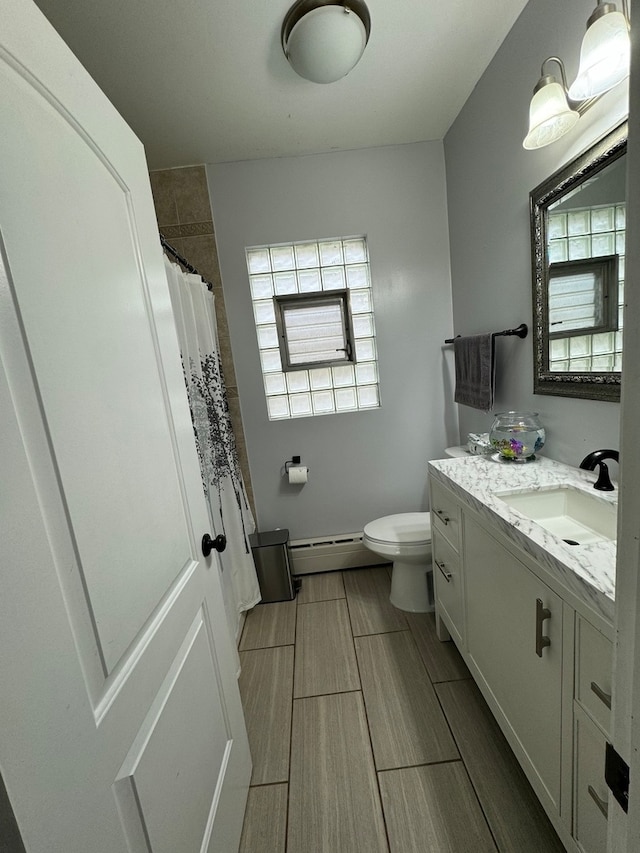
(410, 527)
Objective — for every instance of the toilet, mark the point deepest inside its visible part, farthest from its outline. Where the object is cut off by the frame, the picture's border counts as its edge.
(406, 540)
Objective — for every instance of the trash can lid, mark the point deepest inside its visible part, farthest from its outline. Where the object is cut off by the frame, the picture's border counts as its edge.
(268, 538)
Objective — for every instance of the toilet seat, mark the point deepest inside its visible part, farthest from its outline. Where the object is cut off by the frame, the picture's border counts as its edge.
(409, 528)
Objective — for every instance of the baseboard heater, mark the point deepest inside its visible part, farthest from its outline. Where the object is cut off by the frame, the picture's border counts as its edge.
(331, 553)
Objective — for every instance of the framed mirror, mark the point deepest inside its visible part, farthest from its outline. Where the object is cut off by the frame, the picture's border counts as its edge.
(578, 220)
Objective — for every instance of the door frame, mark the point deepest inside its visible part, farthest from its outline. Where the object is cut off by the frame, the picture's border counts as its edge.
(624, 829)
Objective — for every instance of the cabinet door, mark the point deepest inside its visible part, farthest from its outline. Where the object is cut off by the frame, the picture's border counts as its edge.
(501, 621)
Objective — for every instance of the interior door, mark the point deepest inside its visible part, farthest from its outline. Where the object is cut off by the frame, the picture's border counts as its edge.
(120, 720)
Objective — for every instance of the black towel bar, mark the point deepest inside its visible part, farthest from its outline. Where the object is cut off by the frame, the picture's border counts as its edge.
(521, 332)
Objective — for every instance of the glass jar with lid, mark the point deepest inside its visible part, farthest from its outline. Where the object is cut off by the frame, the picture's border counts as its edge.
(517, 436)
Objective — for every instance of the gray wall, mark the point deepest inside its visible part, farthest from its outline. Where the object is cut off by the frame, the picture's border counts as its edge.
(362, 464)
(489, 177)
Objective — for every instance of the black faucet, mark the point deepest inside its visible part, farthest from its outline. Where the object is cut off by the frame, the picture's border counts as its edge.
(603, 483)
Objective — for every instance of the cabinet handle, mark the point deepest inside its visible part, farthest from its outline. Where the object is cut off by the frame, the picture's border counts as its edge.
(603, 805)
(447, 575)
(442, 516)
(602, 696)
(542, 613)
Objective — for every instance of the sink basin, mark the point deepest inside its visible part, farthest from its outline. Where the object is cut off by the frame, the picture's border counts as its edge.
(577, 517)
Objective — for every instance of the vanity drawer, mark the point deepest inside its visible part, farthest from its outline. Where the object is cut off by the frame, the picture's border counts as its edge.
(445, 514)
(447, 581)
(590, 789)
(594, 665)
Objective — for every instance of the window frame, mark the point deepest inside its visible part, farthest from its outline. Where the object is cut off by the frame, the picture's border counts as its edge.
(312, 299)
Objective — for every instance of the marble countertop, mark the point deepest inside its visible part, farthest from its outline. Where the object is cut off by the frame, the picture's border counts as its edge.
(588, 571)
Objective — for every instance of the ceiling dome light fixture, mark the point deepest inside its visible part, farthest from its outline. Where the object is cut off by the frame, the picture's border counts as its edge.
(604, 62)
(324, 39)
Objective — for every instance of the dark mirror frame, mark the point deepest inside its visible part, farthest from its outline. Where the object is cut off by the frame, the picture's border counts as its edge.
(591, 386)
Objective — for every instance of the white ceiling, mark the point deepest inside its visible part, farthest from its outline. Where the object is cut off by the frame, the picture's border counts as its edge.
(205, 81)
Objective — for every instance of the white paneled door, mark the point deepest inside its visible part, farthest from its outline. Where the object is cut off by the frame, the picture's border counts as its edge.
(120, 720)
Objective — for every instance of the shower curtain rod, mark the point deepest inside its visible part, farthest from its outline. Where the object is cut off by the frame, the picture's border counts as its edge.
(182, 261)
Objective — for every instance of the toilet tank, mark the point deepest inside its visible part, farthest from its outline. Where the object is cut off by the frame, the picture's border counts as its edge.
(457, 451)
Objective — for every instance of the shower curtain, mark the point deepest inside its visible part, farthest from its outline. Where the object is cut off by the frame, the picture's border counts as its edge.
(229, 511)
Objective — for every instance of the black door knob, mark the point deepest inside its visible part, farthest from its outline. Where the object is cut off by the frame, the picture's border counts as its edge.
(209, 544)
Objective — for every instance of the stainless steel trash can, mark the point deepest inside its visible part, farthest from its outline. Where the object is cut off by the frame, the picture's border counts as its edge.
(273, 566)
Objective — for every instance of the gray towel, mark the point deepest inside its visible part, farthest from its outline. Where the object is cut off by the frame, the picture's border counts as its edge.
(475, 371)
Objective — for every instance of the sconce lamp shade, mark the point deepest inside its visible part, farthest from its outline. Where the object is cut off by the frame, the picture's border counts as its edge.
(604, 55)
(323, 40)
(550, 116)
(604, 62)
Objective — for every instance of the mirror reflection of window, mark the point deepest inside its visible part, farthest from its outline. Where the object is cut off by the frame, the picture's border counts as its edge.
(585, 253)
(583, 297)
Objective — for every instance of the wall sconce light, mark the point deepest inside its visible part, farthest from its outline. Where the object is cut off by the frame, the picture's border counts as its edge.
(324, 39)
(604, 62)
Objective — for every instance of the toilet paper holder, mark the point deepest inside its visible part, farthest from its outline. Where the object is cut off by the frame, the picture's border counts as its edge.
(295, 460)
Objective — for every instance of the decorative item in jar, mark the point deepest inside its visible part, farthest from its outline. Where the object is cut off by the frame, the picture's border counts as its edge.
(517, 436)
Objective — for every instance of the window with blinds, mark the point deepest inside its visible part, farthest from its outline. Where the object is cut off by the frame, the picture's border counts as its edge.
(583, 296)
(313, 311)
(314, 330)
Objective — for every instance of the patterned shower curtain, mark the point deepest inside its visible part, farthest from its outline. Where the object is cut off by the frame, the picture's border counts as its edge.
(229, 511)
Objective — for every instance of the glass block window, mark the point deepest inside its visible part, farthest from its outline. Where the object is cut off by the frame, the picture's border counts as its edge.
(573, 235)
(313, 311)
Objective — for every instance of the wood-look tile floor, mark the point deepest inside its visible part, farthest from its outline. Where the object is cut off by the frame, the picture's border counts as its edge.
(368, 735)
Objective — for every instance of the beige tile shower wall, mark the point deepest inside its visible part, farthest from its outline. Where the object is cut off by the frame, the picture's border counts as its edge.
(184, 217)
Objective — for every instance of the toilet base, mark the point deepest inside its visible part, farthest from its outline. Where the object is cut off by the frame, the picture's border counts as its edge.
(412, 587)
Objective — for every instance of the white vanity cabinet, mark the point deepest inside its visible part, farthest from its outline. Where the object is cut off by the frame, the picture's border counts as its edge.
(543, 667)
